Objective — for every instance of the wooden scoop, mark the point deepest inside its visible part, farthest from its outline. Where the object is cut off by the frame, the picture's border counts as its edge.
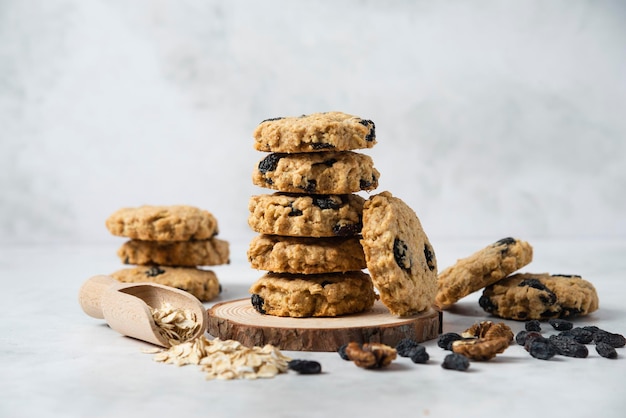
(126, 306)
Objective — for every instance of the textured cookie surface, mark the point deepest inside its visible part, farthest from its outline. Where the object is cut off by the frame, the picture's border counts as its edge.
(481, 269)
(203, 284)
(208, 252)
(329, 131)
(306, 255)
(399, 256)
(331, 294)
(162, 223)
(317, 172)
(306, 215)
(542, 296)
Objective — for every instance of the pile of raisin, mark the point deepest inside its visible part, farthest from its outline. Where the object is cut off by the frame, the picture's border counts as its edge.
(570, 341)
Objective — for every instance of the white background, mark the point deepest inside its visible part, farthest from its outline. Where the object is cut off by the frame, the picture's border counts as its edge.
(493, 118)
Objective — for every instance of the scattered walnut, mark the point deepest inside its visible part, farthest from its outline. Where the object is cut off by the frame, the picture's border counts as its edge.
(370, 355)
(489, 330)
(480, 348)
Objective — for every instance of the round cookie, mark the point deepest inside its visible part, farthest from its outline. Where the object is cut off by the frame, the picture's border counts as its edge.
(207, 252)
(328, 131)
(329, 295)
(526, 296)
(317, 172)
(306, 215)
(298, 255)
(162, 223)
(481, 269)
(203, 284)
(399, 256)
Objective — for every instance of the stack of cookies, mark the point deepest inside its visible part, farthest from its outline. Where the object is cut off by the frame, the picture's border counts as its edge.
(168, 245)
(312, 240)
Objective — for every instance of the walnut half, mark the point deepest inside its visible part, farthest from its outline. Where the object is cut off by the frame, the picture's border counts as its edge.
(371, 355)
(489, 330)
(480, 349)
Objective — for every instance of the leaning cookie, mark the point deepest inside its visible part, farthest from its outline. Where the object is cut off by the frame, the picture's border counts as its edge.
(317, 172)
(329, 131)
(280, 254)
(322, 295)
(302, 215)
(207, 252)
(399, 255)
(203, 284)
(481, 269)
(162, 223)
(539, 296)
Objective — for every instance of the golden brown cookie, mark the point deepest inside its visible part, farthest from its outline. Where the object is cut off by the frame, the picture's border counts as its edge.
(207, 252)
(306, 255)
(306, 215)
(331, 294)
(399, 256)
(481, 269)
(339, 172)
(163, 223)
(329, 131)
(526, 296)
(203, 284)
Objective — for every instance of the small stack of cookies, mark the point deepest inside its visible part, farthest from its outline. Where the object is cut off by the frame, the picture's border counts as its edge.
(309, 240)
(317, 235)
(168, 245)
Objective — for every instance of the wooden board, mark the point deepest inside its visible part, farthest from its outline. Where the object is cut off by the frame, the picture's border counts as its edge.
(238, 320)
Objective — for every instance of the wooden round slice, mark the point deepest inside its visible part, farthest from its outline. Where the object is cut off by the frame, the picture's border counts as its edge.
(238, 320)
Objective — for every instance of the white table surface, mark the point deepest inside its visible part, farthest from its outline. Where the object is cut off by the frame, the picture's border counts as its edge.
(57, 361)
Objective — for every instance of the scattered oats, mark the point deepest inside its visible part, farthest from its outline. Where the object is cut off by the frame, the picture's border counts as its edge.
(226, 359)
(176, 325)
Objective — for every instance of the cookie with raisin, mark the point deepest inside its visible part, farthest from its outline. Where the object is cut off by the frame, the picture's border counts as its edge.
(203, 284)
(282, 254)
(398, 255)
(302, 215)
(340, 172)
(207, 252)
(526, 296)
(163, 223)
(486, 266)
(327, 131)
(313, 295)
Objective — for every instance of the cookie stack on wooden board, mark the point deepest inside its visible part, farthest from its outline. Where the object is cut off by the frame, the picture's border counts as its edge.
(168, 245)
(310, 227)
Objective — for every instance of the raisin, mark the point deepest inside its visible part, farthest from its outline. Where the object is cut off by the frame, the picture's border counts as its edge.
(505, 241)
(272, 119)
(342, 352)
(257, 302)
(548, 299)
(445, 340)
(580, 335)
(614, 340)
(606, 350)
(330, 162)
(325, 202)
(405, 346)
(401, 254)
(430, 257)
(269, 163)
(154, 271)
(311, 186)
(533, 325)
(347, 229)
(455, 361)
(568, 347)
(532, 336)
(561, 324)
(294, 212)
(372, 133)
(321, 145)
(520, 338)
(419, 355)
(542, 349)
(487, 304)
(305, 366)
(366, 184)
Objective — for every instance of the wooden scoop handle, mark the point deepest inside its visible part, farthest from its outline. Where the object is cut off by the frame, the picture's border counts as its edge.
(91, 292)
